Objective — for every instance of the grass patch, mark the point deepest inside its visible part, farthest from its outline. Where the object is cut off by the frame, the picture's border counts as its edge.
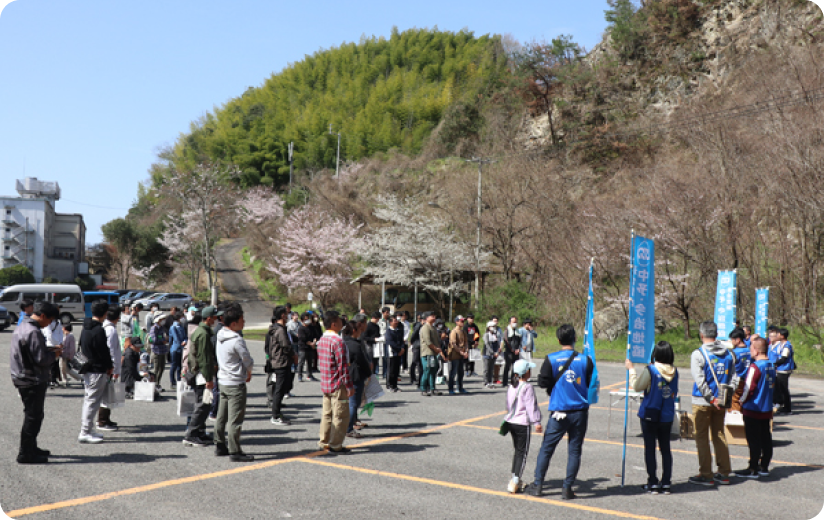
(268, 288)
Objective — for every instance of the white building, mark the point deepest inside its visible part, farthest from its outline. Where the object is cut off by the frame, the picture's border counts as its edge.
(50, 244)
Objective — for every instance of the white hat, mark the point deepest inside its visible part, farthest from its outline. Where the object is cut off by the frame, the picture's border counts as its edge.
(160, 317)
(490, 324)
(522, 366)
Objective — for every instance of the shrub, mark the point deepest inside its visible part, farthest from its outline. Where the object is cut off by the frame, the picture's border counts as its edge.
(15, 274)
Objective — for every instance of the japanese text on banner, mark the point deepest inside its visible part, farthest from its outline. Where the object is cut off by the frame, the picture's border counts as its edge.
(641, 333)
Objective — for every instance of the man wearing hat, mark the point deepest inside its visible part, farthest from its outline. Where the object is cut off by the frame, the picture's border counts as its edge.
(159, 341)
(430, 351)
(458, 353)
(201, 370)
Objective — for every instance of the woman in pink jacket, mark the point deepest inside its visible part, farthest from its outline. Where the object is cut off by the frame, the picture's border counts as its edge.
(522, 412)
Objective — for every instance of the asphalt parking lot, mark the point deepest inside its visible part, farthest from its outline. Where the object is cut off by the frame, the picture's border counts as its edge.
(436, 457)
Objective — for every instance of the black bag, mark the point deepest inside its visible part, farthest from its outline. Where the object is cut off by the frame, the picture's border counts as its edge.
(652, 414)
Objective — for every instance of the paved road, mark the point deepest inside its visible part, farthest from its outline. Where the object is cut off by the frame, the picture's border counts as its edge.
(437, 457)
(236, 284)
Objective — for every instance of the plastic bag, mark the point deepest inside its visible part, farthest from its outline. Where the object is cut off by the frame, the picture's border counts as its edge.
(117, 394)
(186, 400)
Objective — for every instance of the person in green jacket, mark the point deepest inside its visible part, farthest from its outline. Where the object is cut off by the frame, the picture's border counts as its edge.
(202, 367)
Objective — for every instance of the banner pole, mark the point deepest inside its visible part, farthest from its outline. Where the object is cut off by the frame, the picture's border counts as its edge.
(626, 390)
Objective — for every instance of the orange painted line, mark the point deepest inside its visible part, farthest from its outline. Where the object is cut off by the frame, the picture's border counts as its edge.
(142, 489)
(614, 385)
(794, 426)
(474, 489)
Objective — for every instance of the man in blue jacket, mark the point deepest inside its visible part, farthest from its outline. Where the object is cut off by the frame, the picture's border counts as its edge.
(565, 375)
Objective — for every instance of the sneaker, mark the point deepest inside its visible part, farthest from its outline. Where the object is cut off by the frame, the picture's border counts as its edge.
(652, 489)
(87, 438)
(568, 494)
(300, 380)
(107, 427)
(436, 393)
(451, 392)
(310, 378)
(746, 473)
(45, 453)
(212, 418)
(462, 391)
(763, 472)
(173, 387)
(498, 382)
(513, 486)
(702, 481)
(221, 450)
(535, 489)
(354, 434)
(241, 457)
(197, 442)
(288, 396)
(281, 421)
(426, 394)
(665, 489)
(205, 437)
(721, 479)
(160, 388)
(341, 450)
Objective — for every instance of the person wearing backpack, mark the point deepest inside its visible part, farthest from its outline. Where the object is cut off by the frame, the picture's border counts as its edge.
(522, 412)
(565, 375)
(659, 382)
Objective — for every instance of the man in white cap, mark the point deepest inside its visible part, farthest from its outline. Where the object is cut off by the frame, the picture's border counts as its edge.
(159, 341)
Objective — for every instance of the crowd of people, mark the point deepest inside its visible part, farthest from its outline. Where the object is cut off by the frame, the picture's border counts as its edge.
(205, 350)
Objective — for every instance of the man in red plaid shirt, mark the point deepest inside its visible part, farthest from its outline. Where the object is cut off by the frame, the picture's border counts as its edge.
(337, 387)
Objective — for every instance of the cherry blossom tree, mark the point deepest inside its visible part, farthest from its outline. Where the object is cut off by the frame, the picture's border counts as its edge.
(260, 204)
(145, 276)
(184, 240)
(317, 252)
(207, 194)
(416, 249)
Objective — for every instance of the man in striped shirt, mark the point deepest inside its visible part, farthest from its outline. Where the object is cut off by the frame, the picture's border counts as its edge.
(337, 387)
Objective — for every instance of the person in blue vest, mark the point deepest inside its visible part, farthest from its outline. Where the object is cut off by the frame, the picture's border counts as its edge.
(659, 382)
(741, 350)
(710, 363)
(747, 335)
(781, 355)
(565, 375)
(756, 406)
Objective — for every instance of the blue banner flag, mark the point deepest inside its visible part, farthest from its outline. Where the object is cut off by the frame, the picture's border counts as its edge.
(589, 344)
(641, 330)
(762, 306)
(725, 303)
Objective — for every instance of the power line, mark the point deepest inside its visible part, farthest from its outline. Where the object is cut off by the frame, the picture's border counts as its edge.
(91, 205)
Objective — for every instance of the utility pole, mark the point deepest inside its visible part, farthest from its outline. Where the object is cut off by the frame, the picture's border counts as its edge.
(291, 163)
(481, 161)
(337, 161)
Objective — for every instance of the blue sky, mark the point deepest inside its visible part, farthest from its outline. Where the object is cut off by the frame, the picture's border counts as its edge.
(89, 90)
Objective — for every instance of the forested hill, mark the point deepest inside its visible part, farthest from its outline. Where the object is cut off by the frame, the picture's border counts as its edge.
(380, 94)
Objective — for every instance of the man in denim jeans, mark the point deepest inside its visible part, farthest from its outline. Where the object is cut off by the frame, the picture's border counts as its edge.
(568, 408)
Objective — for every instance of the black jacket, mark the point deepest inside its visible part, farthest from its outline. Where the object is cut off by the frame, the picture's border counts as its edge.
(360, 362)
(372, 332)
(415, 336)
(305, 334)
(93, 345)
(394, 339)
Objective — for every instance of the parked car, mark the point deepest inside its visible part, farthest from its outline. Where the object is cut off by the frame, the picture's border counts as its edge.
(132, 296)
(91, 296)
(5, 319)
(145, 299)
(67, 297)
(168, 300)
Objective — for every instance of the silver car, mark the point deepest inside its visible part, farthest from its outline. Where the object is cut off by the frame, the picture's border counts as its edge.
(168, 300)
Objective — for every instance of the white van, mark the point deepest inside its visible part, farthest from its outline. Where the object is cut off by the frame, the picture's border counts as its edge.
(67, 297)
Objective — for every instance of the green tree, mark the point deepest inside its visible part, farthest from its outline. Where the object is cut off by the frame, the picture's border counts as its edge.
(626, 27)
(15, 274)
